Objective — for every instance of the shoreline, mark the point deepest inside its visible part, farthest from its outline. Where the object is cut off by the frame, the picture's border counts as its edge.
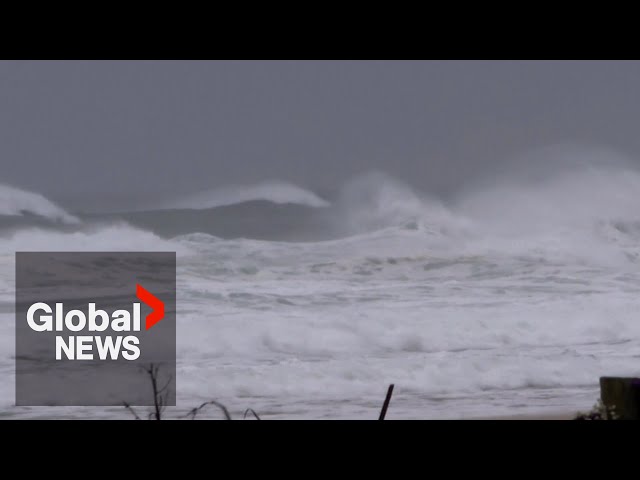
(533, 416)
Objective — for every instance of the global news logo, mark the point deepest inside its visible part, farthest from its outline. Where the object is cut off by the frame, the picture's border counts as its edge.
(107, 347)
(88, 324)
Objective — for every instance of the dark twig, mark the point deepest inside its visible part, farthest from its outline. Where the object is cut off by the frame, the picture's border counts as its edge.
(163, 389)
(251, 411)
(385, 406)
(195, 411)
(160, 396)
(157, 398)
(133, 412)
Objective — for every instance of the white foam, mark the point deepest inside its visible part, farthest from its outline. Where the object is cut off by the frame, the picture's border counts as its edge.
(512, 294)
(108, 237)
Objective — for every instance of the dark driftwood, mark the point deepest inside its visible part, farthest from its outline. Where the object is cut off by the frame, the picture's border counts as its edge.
(622, 395)
(385, 406)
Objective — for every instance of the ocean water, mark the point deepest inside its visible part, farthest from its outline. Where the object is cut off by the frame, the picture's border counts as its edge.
(509, 298)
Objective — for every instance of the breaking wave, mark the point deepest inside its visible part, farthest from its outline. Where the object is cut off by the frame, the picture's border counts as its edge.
(17, 202)
(276, 192)
(584, 210)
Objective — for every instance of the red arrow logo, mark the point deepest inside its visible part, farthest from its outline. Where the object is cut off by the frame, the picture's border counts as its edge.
(154, 302)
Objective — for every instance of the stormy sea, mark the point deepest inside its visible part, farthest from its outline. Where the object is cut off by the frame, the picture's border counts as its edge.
(509, 297)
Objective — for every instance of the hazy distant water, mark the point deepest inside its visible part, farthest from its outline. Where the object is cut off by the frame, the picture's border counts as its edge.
(504, 300)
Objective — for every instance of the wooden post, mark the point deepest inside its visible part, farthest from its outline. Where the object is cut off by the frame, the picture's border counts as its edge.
(622, 394)
(385, 406)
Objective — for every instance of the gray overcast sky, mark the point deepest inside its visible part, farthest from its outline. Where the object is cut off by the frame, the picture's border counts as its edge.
(94, 129)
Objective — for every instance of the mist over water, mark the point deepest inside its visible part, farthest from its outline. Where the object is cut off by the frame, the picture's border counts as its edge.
(513, 292)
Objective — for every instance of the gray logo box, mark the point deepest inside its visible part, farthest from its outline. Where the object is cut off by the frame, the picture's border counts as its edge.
(109, 280)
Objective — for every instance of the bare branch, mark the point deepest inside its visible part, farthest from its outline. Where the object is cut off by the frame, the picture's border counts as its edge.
(152, 371)
(195, 411)
(166, 385)
(252, 411)
(160, 396)
(133, 412)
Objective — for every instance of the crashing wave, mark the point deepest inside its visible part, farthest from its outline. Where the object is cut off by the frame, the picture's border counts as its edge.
(275, 192)
(17, 202)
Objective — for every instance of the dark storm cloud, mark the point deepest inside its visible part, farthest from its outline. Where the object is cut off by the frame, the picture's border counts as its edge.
(93, 131)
